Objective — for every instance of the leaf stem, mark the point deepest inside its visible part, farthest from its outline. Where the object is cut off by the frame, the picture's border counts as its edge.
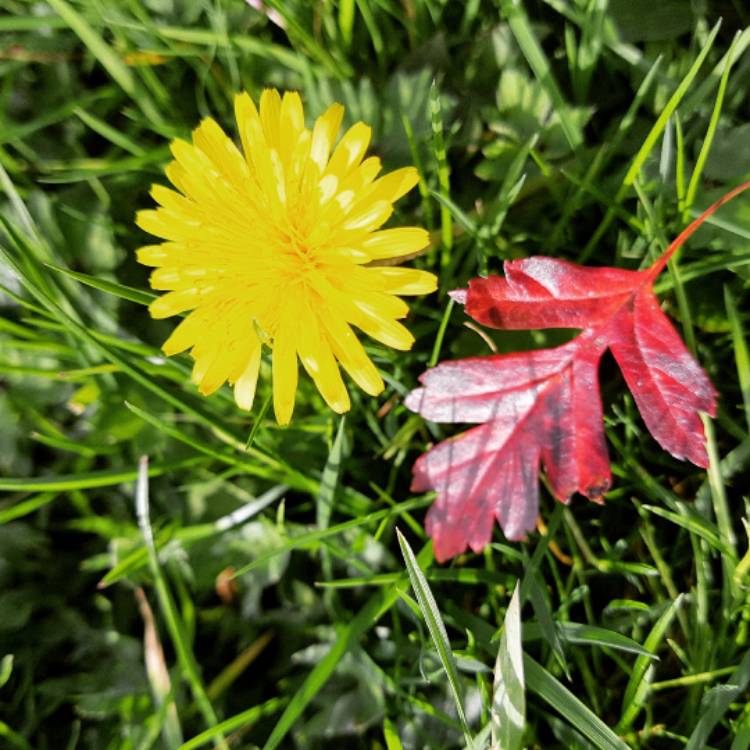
(691, 228)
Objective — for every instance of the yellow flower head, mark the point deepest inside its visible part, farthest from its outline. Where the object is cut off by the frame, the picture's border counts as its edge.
(275, 246)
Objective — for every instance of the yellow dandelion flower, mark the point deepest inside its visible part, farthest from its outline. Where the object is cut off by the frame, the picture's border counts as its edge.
(275, 246)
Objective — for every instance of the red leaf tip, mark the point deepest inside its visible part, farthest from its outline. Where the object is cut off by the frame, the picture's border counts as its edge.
(413, 400)
(459, 295)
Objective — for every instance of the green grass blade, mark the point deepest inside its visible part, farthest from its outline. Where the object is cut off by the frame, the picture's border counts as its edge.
(12, 131)
(742, 736)
(336, 66)
(650, 142)
(740, 348)
(265, 467)
(105, 130)
(110, 287)
(22, 213)
(523, 32)
(330, 478)
(327, 494)
(718, 489)
(456, 212)
(346, 21)
(531, 590)
(431, 615)
(15, 739)
(109, 59)
(695, 524)
(443, 172)
(138, 558)
(710, 132)
(6, 669)
(19, 510)
(89, 480)
(661, 122)
(549, 689)
(424, 190)
(702, 91)
(242, 720)
(390, 735)
(40, 288)
(437, 346)
(538, 597)
(640, 678)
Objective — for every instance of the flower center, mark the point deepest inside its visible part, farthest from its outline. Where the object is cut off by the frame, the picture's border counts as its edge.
(299, 256)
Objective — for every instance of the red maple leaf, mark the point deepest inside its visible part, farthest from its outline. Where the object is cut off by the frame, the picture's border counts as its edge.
(544, 407)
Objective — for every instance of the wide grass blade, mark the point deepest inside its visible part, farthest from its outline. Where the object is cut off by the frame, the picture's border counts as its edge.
(390, 735)
(509, 699)
(716, 702)
(582, 634)
(547, 687)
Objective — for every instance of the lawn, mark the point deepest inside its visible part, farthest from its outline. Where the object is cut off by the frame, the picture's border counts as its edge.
(179, 572)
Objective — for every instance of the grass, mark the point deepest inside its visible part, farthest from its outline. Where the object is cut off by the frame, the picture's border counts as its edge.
(274, 588)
